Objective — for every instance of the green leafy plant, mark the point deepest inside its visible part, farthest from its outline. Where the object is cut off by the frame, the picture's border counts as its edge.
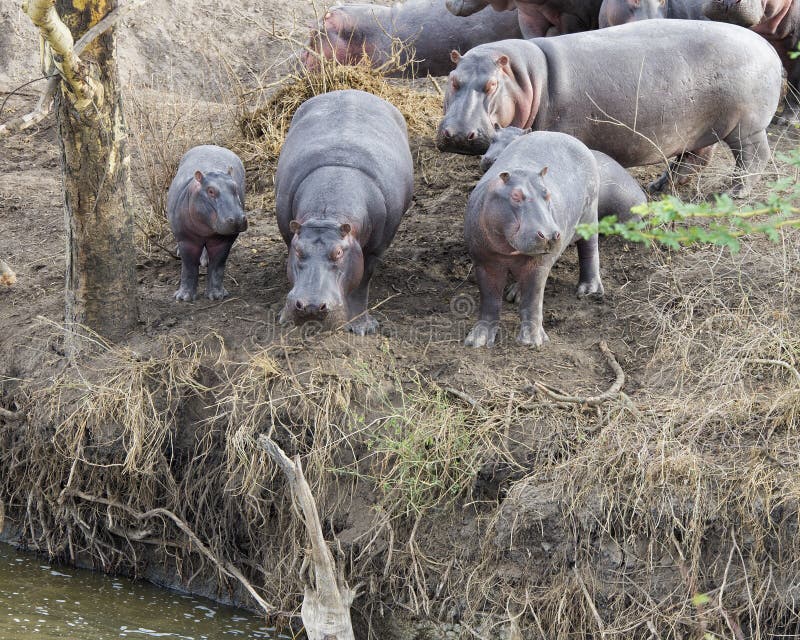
(674, 223)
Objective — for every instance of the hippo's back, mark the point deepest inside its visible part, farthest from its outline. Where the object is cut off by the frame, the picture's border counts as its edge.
(710, 77)
(350, 129)
(205, 158)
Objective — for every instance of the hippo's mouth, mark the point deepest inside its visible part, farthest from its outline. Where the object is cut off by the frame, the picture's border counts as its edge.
(476, 146)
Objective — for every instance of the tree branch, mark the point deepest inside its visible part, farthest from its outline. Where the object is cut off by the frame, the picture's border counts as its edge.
(45, 103)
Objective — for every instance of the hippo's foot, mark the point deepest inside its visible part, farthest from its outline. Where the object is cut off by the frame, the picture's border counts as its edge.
(659, 185)
(185, 294)
(740, 190)
(363, 325)
(219, 293)
(483, 334)
(532, 334)
(591, 287)
(512, 293)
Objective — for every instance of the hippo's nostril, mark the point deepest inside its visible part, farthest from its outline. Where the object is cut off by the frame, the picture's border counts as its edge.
(471, 135)
(557, 235)
(447, 133)
(323, 307)
(540, 234)
(299, 305)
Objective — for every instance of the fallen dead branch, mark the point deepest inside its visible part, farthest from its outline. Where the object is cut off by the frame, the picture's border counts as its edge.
(13, 416)
(224, 567)
(326, 606)
(611, 393)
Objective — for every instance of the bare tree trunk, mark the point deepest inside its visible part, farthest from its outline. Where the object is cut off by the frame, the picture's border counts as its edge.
(101, 267)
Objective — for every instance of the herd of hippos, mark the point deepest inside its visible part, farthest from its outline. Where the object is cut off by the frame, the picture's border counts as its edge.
(556, 119)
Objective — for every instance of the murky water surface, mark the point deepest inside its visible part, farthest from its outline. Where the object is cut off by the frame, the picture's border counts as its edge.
(43, 602)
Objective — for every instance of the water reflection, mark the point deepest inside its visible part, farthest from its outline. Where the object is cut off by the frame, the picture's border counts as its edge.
(43, 602)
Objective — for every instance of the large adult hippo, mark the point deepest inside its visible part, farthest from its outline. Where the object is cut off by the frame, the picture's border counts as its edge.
(538, 18)
(344, 180)
(640, 92)
(350, 32)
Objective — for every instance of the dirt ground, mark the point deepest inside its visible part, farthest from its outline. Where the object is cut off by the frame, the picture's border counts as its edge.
(680, 324)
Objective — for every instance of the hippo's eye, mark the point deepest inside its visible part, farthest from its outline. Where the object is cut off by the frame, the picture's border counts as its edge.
(546, 195)
(212, 192)
(337, 253)
(298, 253)
(490, 86)
(455, 84)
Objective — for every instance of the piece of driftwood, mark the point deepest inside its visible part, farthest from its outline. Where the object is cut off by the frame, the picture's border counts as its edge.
(326, 602)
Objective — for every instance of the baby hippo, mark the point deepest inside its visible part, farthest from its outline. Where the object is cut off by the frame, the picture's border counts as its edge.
(619, 191)
(205, 208)
(344, 180)
(520, 217)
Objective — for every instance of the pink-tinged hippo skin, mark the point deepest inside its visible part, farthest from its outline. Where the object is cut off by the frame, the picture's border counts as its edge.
(638, 92)
(205, 208)
(350, 32)
(619, 190)
(538, 18)
(520, 217)
(344, 180)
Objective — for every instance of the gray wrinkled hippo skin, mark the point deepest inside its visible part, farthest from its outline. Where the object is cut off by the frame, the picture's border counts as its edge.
(619, 191)
(348, 32)
(745, 13)
(205, 208)
(615, 12)
(538, 18)
(587, 84)
(344, 180)
(520, 217)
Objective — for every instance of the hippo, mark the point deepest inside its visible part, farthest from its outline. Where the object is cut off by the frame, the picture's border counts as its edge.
(625, 92)
(340, 192)
(520, 217)
(352, 31)
(205, 208)
(538, 18)
(780, 25)
(619, 191)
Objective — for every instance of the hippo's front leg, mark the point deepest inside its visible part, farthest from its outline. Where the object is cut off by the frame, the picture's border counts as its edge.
(589, 259)
(361, 322)
(532, 280)
(190, 266)
(218, 251)
(491, 281)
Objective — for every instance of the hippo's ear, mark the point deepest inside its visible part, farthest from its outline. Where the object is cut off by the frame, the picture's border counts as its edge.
(505, 176)
(455, 56)
(345, 229)
(198, 175)
(230, 171)
(294, 226)
(543, 172)
(502, 61)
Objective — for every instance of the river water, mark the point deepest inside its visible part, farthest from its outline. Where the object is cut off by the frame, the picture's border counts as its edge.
(40, 601)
